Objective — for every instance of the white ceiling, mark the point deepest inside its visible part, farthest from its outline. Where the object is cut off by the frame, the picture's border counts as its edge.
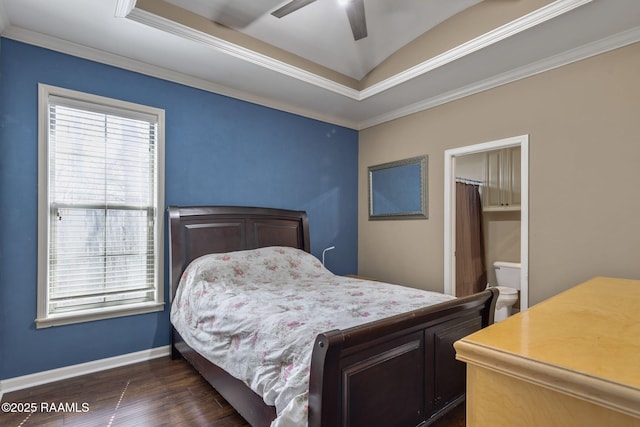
(117, 32)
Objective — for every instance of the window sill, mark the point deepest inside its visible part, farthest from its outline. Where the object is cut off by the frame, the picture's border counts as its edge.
(98, 314)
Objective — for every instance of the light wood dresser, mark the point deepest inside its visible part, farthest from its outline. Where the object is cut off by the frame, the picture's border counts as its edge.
(572, 360)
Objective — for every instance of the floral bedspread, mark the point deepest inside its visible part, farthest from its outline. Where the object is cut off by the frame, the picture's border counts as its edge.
(256, 314)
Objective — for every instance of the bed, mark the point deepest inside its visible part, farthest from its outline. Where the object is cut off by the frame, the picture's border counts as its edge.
(399, 370)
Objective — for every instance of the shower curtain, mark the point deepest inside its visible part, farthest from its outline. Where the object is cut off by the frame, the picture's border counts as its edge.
(471, 272)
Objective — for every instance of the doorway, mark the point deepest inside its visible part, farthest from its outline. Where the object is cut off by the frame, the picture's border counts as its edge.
(521, 141)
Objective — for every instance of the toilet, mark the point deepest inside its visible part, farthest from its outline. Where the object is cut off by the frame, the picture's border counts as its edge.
(508, 278)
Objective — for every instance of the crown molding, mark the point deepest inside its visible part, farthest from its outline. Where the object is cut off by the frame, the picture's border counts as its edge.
(183, 31)
(616, 41)
(503, 32)
(124, 7)
(107, 58)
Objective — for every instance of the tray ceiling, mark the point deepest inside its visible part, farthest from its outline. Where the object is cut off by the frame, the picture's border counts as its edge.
(418, 53)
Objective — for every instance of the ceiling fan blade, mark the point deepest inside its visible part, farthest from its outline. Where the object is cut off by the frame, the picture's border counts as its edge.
(357, 19)
(292, 6)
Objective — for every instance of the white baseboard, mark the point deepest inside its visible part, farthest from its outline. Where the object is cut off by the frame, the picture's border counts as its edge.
(31, 380)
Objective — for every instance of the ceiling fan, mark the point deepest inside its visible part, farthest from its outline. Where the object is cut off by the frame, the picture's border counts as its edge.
(354, 9)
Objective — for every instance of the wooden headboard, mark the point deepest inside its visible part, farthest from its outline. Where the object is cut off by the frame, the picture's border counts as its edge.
(199, 230)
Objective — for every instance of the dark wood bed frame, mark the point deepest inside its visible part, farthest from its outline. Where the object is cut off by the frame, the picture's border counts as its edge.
(399, 371)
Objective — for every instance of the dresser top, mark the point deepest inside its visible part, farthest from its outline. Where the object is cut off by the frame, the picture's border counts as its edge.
(583, 340)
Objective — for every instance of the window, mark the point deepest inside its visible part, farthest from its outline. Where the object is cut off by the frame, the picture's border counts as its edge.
(100, 248)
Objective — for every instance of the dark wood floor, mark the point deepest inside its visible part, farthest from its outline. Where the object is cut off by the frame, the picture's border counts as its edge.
(160, 392)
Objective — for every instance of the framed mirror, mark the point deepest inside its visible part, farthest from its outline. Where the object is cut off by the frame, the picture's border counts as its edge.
(398, 190)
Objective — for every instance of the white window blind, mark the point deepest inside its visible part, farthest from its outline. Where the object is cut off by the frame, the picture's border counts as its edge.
(103, 212)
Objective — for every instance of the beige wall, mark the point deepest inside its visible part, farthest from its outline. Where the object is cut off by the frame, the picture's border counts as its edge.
(583, 122)
(502, 239)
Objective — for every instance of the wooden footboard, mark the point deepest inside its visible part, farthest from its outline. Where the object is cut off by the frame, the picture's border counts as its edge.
(399, 371)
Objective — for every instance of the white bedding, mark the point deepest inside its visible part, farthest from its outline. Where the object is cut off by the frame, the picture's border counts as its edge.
(256, 314)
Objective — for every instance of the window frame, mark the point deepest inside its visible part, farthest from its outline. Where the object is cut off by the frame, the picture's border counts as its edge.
(44, 318)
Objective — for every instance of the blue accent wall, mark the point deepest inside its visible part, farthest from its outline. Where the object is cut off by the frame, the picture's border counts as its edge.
(219, 151)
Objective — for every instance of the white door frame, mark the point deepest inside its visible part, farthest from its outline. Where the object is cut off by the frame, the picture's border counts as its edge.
(450, 210)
